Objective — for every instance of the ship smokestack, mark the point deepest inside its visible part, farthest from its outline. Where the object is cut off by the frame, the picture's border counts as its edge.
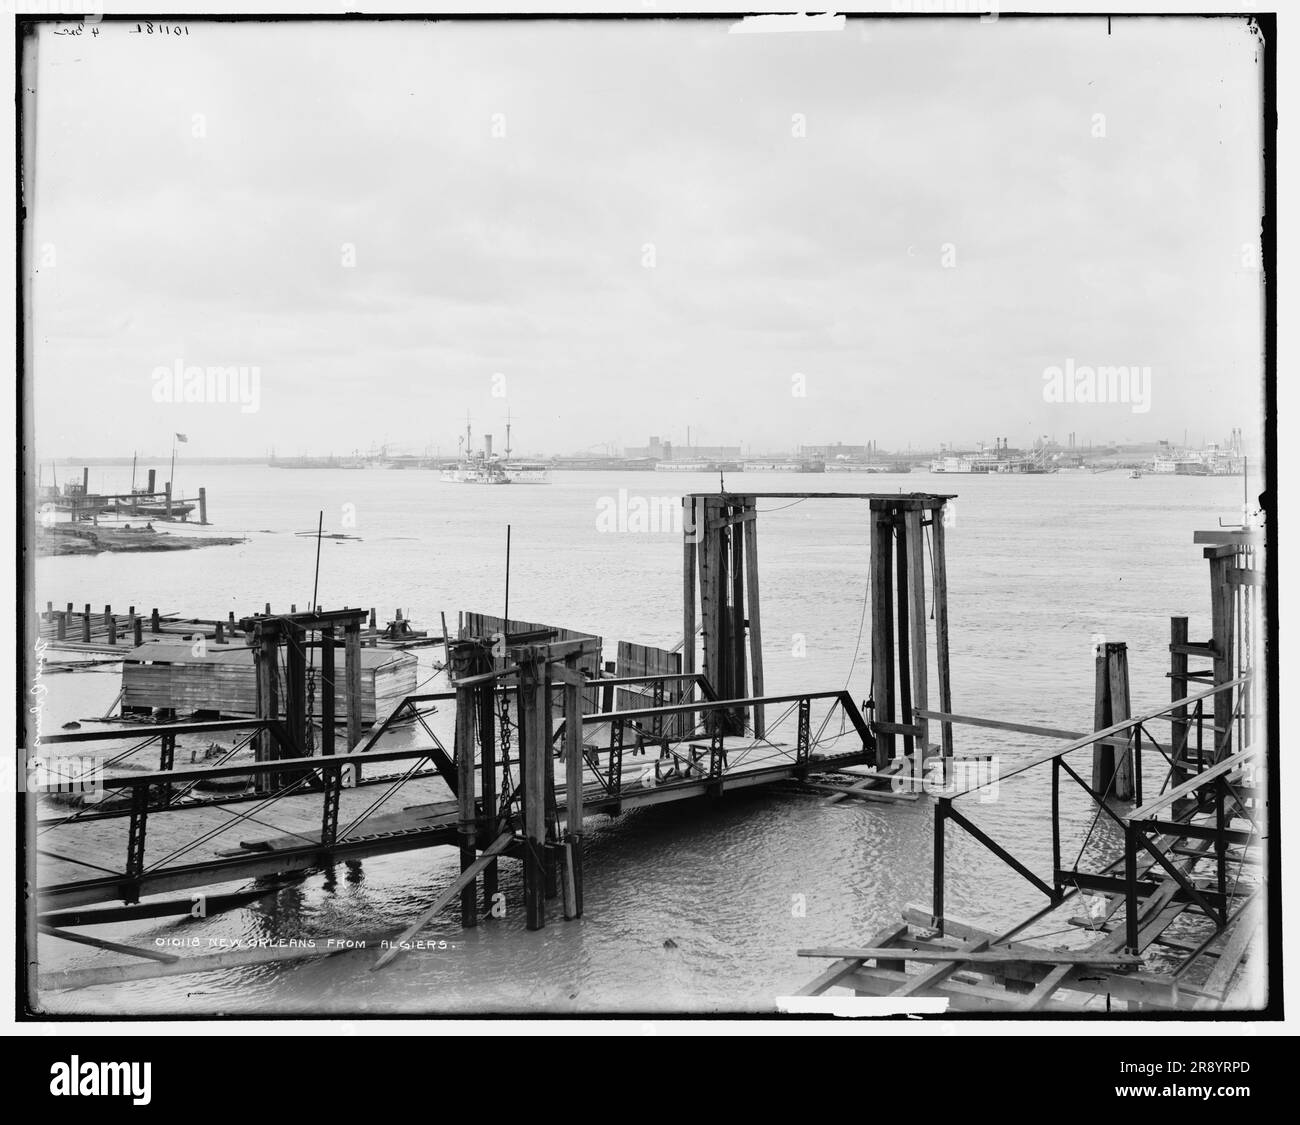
(487, 445)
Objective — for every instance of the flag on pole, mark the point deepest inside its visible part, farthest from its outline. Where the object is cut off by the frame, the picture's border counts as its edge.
(182, 437)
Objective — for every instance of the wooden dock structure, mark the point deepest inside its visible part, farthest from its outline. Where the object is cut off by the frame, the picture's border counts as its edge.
(1168, 920)
(546, 735)
(149, 503)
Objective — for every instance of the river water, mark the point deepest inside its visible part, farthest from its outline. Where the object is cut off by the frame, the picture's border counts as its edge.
(699, 906)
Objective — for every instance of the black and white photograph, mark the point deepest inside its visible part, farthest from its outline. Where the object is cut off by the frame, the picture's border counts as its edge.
(645, 514)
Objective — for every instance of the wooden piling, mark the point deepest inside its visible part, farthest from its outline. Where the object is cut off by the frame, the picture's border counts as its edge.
(573, 788)
(137, 630)
(916, 617)
(268, 701)
(1179, 728)
(882, 628)
(295, 678)
(1112, 768)
(203, 505)
(220, 637)
(167, 490)
(707, 512)
(939, 564)
(736, 626)
(153, 475)
(154, 622)
(1221, 619)
(550, 853)
(487, 755)
(465, 795)
(85, 626)
(691, 531)
(112, 629)
(755, 621)
(903, 636)
(535, 759)
(61, 626)
(328, 703)
(352, 674)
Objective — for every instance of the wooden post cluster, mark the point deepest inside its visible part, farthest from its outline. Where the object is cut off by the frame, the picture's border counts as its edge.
(1236, 620)
(294, 632)
(899, 633)
(721, 546)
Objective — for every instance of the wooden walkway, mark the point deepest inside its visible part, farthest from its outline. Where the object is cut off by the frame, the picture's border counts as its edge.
(81, 862)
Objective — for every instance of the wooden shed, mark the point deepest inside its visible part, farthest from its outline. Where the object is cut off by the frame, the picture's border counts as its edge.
(223, 680)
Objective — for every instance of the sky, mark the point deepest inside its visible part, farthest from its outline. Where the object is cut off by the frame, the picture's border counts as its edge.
(612, 229)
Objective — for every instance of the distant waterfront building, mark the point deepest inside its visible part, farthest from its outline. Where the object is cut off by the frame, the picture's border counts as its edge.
(659, 450)
(837, 452)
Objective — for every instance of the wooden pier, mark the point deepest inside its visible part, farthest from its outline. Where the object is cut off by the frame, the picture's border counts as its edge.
(546, 736)
(1192, 857)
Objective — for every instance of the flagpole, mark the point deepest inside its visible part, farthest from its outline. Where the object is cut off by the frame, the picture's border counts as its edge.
(171, 477)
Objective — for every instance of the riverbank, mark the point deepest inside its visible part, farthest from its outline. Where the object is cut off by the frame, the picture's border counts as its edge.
(90, 539)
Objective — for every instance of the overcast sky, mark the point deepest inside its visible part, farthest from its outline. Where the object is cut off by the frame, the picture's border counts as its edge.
(651, 244)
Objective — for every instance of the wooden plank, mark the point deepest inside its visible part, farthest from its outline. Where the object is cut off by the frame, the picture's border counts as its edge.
(838, 793)
(108, 946)
(1219, 769)
(961, 995)
(940, 972)
(831, 976)
(905, 952)
(1242, 933)
(921, 500)
(1239, 576)
(1225, 536)
(465, 877)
